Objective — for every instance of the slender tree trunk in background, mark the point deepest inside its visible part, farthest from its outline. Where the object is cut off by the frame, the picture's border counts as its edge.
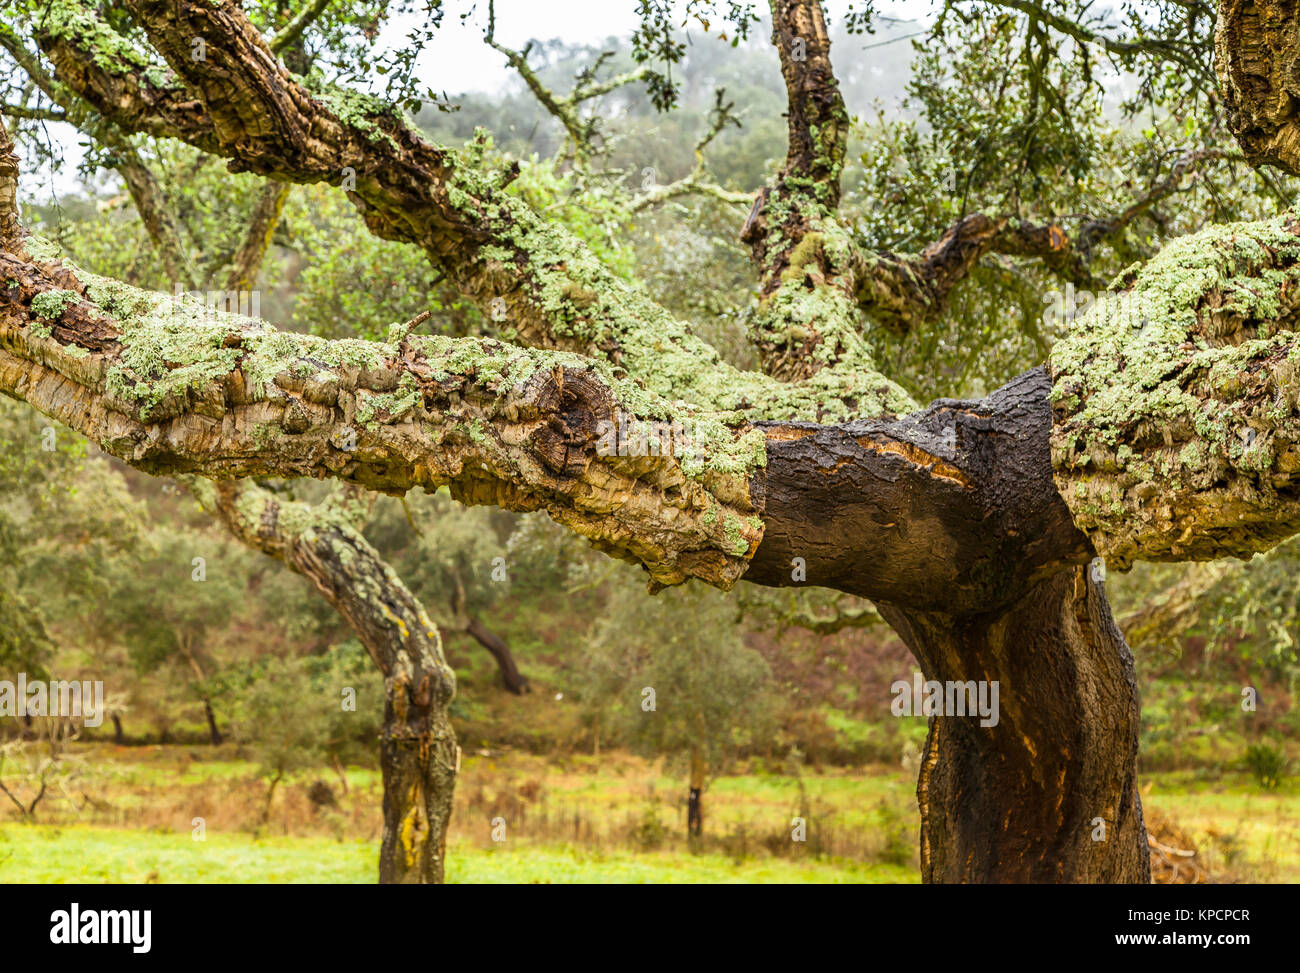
(270, 796)
(695, 801)
(1049, 793)
(515, 681)
(118, 736)
(419, 757)
(247, 262)
(341, 773)
(214, 734)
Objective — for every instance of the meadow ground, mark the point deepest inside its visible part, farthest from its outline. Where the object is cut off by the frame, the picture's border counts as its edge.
(134, 814)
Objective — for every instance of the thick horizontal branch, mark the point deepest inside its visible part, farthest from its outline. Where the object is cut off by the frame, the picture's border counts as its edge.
(172, 386)
(951, 509)
(524, 271)
(135, 92)
(955, 503)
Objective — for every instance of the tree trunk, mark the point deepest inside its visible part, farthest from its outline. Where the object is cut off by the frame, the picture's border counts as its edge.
(419, 768)
(695, 801)
(418, 753)
(214, 734)
(515, 681)
(118, 736)
(340, 772)
(270, 796)
(1049, 793)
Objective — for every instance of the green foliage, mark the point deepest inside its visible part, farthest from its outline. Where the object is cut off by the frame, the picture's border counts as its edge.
(351, 284)
(286, 720)
(1267, 763)
(683, 653)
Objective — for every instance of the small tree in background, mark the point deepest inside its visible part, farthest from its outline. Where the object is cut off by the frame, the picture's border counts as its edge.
(285, 722)
(351, 694)
(673, 677)
(176, 628)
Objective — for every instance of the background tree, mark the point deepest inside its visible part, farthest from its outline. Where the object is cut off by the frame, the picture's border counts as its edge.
(174, 630)
(673, 675)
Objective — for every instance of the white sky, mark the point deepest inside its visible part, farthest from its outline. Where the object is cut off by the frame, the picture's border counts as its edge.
(457, 60)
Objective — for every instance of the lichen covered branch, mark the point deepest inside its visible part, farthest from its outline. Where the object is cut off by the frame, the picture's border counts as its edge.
(170, 386)
(1177, 426)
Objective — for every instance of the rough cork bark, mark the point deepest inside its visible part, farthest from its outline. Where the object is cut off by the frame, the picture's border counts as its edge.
(418, 752)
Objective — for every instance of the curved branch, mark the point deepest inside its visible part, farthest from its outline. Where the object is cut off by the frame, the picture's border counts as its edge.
(290, 34)
(420, 753)
(900, 292)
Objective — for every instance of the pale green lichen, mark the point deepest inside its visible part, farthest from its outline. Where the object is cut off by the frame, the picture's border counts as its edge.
(1180, 390)
(110, 51)
(354, 109)
(50, 305)
(585, 305)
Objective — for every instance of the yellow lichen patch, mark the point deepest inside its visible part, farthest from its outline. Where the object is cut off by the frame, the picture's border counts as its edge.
(401, 625)
(415, 827)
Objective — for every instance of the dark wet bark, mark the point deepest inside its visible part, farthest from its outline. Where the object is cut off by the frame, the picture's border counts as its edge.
(960, 536)
(949, 509)
(1049, 793)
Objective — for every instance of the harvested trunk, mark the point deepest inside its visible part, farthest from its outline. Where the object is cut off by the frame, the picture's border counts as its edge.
(961, 538)
(1049, 792)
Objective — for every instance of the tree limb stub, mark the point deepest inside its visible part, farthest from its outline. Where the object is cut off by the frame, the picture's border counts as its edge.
(950, 509)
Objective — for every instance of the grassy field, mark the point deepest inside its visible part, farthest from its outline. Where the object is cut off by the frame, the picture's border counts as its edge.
(82, 853)
(130, 817)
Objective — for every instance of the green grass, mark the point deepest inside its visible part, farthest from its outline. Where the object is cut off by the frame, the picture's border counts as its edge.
(566, 864)
(48, 855)
(865, 820)
(51, 855)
